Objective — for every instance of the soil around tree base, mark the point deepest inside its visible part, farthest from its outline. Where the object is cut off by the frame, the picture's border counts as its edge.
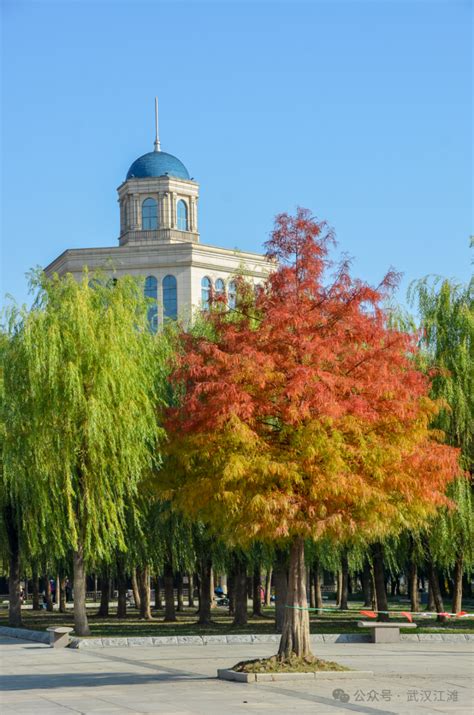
(308, 664)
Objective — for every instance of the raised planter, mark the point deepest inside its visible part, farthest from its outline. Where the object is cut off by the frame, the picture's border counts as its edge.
(229, 674)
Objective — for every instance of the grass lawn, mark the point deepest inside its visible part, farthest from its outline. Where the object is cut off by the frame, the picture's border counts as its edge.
(333, 622)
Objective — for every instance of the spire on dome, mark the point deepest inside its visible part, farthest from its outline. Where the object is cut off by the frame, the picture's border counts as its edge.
(157, 138)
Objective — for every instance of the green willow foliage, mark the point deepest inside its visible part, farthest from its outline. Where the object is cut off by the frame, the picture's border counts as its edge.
(447, 322)
(83, 381)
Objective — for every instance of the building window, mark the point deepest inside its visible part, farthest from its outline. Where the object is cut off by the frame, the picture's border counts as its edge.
(149, 215)
(170, 298)
(151, 292)
(206, 286)
(232, 295)
(182, 214)
(220, 288)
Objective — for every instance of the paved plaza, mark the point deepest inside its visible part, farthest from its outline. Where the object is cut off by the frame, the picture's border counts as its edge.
(180, 680)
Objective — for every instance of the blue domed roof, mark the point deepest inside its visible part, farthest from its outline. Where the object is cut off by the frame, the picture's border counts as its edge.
(157, 163)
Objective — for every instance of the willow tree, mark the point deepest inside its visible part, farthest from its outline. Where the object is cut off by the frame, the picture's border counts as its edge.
(305, 416)
(446, 311)
(82, 377)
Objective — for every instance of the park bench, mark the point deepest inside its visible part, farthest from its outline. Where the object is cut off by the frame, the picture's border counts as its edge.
(385, 632)
(59, 636)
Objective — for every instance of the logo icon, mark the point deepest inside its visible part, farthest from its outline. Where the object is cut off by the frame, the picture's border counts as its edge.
(339, 694)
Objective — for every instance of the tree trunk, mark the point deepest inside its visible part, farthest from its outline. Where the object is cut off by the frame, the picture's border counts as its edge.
(190, 590)
(122, 589)
(158, 599)
(212, 586)
(144, 588)
(430, 604)
(280, 579)
(413, 587)
(62, 594)
(36, 596)
(104, 586)
(338, 589)
(168, 578)
(231, 591)
(435, 589)
(205, 591)
(295, 639)
(457, 584)
(366, 580)
(257, 592)
(343, 603)
(241, 594)
(47, 593)
(14, 589)
(379, 579)
(268, 587)
(81, 625)
(312, 588)
(135, 589)
(180, 592)
(318, 596)
(57, 595)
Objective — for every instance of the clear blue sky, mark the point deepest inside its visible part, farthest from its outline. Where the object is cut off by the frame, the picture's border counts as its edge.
(360, 111)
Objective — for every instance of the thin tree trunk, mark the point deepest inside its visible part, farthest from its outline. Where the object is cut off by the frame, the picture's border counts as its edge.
(366, 584)
(338, 589)
(231, 591)
(62, 594)
(241, 593)
(205, 590)
(121, 588)
(36, 590)
(435, 589)
(136, 592)
(457, 583)
(280, 579)
(212, 586)
(312, 588)
(190, 590)
(144, 588)
(295, 638)
(379, 579)
(318, 596)
(14, 588)
(268, 587)
(57, 594)
(413, 587)
(158, 599)
(104, 586)
(430, 604)
(168, 578)
(180, 592)
(257, 592)
(47, 593)
(81, 625)
(343, 603)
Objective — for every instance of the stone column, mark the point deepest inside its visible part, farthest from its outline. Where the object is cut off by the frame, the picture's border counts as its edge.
(173, 210)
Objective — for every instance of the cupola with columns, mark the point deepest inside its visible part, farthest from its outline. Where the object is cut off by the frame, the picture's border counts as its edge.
(158, 200)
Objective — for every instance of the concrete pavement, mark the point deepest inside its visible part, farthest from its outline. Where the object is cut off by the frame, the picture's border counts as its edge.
(408, 678)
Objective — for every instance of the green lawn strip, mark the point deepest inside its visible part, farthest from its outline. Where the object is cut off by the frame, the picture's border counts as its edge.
(321, 623)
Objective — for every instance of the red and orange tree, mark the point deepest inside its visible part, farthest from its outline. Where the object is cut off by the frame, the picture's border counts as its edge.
(303, 415)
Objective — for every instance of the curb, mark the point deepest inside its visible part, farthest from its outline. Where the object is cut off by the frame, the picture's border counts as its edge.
(250, 639)
(225, 674)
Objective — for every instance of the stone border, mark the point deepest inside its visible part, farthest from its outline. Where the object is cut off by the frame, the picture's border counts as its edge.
(225, 674)
(153, 641)
(25, 634)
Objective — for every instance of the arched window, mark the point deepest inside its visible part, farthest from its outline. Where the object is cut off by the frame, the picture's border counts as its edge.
(220, 288)
(151, 292)
(182, 215)
(206, 286)
(170, 298)
(149, 215)
(232, 295)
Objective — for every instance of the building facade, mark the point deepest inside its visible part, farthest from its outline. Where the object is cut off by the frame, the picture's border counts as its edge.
(159, 240)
